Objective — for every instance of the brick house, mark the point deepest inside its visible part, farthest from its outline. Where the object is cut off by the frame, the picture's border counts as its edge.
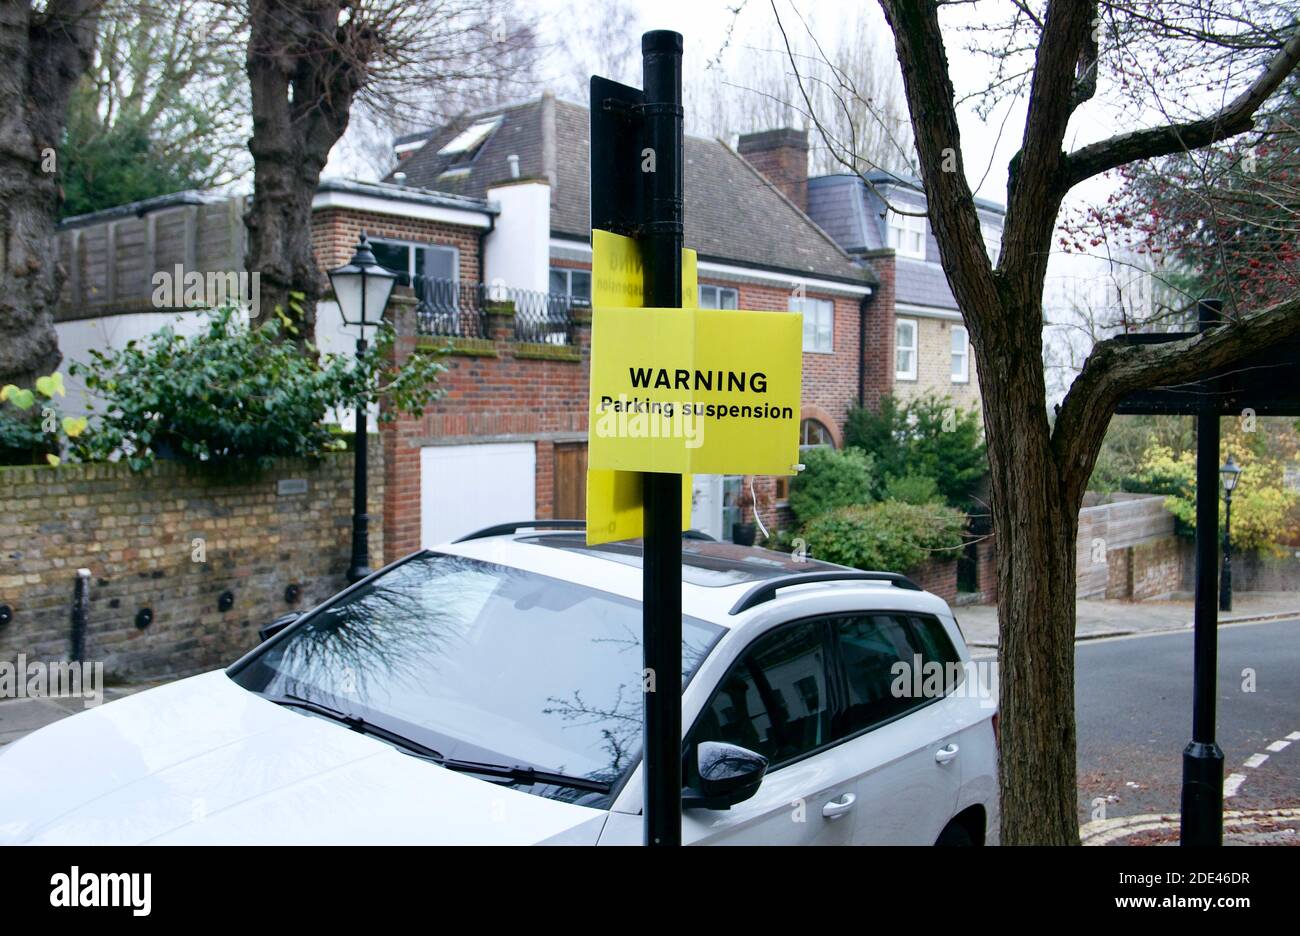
(931, 345)
(516, 411)
(489, 220)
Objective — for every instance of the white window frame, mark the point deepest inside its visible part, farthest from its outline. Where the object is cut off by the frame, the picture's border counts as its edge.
(964, 354)
(804, 446)
(718, 292)
(908, 234)
(817, 307)
(914, 348)
(568, 282)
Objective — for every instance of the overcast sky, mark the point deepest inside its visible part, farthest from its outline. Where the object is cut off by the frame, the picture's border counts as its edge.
(987, 145)
(705, 25)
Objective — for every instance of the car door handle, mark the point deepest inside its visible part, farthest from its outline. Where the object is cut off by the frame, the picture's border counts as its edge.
(836, 808)
(944, 755)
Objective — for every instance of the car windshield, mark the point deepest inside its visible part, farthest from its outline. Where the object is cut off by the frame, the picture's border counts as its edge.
(484, 663)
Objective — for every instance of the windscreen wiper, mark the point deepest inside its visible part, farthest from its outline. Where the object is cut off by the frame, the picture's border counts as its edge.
(526, 775)
(517, 774)
(359, 725)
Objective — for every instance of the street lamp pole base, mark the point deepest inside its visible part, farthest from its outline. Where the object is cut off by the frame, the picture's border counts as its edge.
(1202, 804)
(360, 566)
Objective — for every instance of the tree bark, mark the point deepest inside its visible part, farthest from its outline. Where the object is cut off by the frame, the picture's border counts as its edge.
(303, 70)
(45, 54)
(1035, 518)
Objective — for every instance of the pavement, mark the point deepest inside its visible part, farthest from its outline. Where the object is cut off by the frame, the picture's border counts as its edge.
(1098, 619)
(19, 717)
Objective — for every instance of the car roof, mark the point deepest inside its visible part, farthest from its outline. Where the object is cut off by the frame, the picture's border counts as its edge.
(715, 575)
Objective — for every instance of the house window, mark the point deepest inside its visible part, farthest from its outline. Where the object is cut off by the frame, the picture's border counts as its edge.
(907, 235)
(718, 297)
(573, 284)
(417, 260)
(960, 355)
(818, 323)
(905, 349)
(463, 147)
(814, 434)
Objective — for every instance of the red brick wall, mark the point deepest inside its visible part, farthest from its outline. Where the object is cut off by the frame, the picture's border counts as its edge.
(879, 353)
(500, 394)
(334, 233)
(937, 576)
(986, 569)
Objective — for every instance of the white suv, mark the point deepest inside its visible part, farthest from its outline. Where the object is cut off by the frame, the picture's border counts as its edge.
(490, 691)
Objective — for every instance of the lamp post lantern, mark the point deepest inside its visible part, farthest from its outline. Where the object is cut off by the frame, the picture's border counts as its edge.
(1229, 473)
(362, 288)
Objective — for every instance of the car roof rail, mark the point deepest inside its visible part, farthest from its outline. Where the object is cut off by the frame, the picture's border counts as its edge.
(505, 529)
(766, 591)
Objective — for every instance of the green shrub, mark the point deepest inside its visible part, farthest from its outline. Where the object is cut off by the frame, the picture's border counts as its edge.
(913, 489)
(830, 479)
(929, 436)
(233, 391)
(890, 536)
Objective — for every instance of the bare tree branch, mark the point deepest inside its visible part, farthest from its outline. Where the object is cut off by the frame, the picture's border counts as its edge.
(1114, 370)
(1236, 117)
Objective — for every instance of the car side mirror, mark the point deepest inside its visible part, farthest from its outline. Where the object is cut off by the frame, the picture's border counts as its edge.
(729, 774)
(267, 631)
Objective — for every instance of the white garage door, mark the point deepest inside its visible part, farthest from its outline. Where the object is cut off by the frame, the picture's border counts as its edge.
(464, 488)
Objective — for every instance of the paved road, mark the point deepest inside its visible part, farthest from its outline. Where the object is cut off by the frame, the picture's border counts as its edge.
(1134, 703)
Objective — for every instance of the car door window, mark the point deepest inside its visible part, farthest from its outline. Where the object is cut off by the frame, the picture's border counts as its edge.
(892, 664)
(775, 701)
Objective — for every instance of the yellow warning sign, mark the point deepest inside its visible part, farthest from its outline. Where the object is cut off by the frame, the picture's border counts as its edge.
(710, 391)
(614, 499)
(618, 278)
(615, 505)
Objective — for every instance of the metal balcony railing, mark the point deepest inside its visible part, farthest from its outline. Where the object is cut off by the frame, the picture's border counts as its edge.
(460, 308)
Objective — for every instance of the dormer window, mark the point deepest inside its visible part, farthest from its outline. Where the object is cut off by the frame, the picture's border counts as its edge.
(907, 234)
(464, 146)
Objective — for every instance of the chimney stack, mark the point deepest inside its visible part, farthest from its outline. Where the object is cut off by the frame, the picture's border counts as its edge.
(782, 156)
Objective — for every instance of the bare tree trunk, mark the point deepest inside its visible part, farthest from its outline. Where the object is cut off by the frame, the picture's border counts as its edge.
(1036, 617)
(1035, 514)
(303, 70)
(44, 54)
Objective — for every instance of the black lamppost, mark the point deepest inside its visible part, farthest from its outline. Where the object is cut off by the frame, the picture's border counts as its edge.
(1230, 472)
(362, 288)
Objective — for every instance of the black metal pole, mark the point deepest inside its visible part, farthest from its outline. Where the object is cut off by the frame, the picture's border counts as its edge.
(80, 612)
(661, 246)
(1202, 796)
(360, 566)
(1225, 581)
